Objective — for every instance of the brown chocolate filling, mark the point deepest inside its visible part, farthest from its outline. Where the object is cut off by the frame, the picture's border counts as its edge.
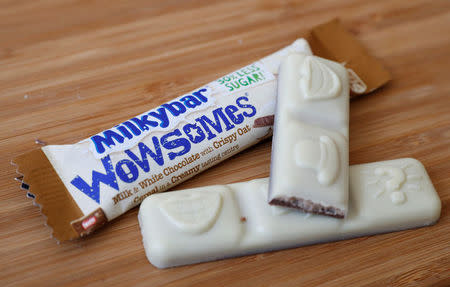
(264, 121)
(308, 206)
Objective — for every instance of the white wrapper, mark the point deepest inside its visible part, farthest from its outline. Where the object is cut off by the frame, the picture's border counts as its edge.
(152, 152)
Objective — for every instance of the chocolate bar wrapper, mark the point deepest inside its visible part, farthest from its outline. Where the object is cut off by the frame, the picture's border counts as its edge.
(81, 186)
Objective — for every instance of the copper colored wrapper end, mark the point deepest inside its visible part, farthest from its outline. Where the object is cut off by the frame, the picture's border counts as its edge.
(62, 213)
(332, 41)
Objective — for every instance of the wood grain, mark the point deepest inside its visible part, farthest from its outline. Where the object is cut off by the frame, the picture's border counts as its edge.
(69, 69)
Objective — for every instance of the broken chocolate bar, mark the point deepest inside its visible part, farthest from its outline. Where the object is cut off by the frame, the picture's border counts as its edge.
(309, 168)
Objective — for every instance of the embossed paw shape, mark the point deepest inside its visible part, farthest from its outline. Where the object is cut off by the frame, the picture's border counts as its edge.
(392, 179)
(397, 177)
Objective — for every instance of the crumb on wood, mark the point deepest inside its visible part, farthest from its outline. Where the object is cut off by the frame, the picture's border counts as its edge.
(39, 142)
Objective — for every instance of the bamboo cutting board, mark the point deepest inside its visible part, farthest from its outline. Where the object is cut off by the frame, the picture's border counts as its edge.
(69, 69)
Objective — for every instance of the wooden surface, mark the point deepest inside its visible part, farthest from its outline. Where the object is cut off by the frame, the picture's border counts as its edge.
(69, 69)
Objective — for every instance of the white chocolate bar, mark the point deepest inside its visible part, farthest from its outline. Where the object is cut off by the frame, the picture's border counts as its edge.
(214, 222)
(310, 144)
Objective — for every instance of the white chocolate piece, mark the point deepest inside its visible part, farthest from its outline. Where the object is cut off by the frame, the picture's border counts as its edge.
(166, 238)
(235, 220)
(310, 143)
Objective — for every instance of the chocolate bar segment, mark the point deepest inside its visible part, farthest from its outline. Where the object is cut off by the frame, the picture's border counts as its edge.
(234, 220)
(309, 168)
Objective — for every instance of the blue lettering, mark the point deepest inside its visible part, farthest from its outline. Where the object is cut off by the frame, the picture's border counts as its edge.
(218, 114)
(130, 174)
(142, 162)
(190, 101)
(143, 123)
(246, 106)
(107, 139)
(132, 128)
(108, 178)
(176, 143)
(200, 96)
(175, 108)
(194, 133)
(236, 119)
(161, 115)
(124, 131)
